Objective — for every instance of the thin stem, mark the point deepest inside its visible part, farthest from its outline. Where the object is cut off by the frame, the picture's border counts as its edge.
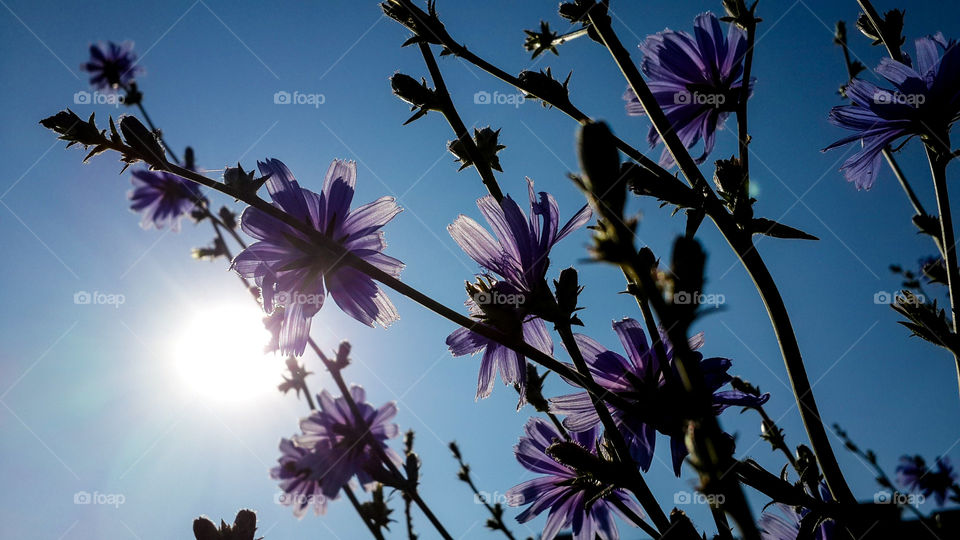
(938, 169)
(461, 51)
(634, 518)
(749, 258)
(153, 128)
(723, 526)
(637, 485)
(449, 111)
(569, 36)
(374, 530)
(343, 256)
(893, 49)
(742, 134)
(467, 479)
(777, 440)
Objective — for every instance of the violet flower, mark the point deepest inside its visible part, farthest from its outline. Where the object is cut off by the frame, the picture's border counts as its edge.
(913, 474)
(696, 80)
(339, 440)
(293, 273)
(562, 491)
(925, 101)
(299, 489)
(653, 385)
(112, 65)
(785, 525)
(163, 198)
(518, 258)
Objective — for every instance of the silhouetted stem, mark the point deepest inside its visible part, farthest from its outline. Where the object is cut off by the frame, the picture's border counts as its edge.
(938, 159)
(743, 246)
(374, 530)
(152, 127)
(742, 135)
(449, 112)
(497, 517)
(637, 484)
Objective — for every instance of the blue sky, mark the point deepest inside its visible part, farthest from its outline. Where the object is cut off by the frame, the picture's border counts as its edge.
(91, 398)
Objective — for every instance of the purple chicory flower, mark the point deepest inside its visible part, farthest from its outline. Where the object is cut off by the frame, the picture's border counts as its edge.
(292, 274)
(913, 474)
(518, 259)
(339, 442)
(294, 472)
(558, 490)
(112, 65)
(653, 385)
(925, 101)
(786, 524)
(696, 80)
(163, 198)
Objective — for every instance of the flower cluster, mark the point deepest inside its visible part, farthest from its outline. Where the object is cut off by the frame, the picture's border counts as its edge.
(925, 102)
(112, 65)
(584, 505)
(652, 384)
(697, 81)
(516, 262)
(913, 474)
(293, 273)
(163, 198)
(335, 445)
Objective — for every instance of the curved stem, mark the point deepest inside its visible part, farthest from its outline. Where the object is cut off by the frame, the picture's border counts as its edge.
(938, 169)
(749, 258)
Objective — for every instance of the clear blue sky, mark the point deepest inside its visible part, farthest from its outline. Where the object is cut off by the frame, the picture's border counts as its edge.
(90, 397)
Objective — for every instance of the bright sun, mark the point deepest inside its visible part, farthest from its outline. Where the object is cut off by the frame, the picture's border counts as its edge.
(220, 353)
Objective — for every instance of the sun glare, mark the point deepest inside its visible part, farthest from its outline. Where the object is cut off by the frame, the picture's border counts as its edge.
(220, 354)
